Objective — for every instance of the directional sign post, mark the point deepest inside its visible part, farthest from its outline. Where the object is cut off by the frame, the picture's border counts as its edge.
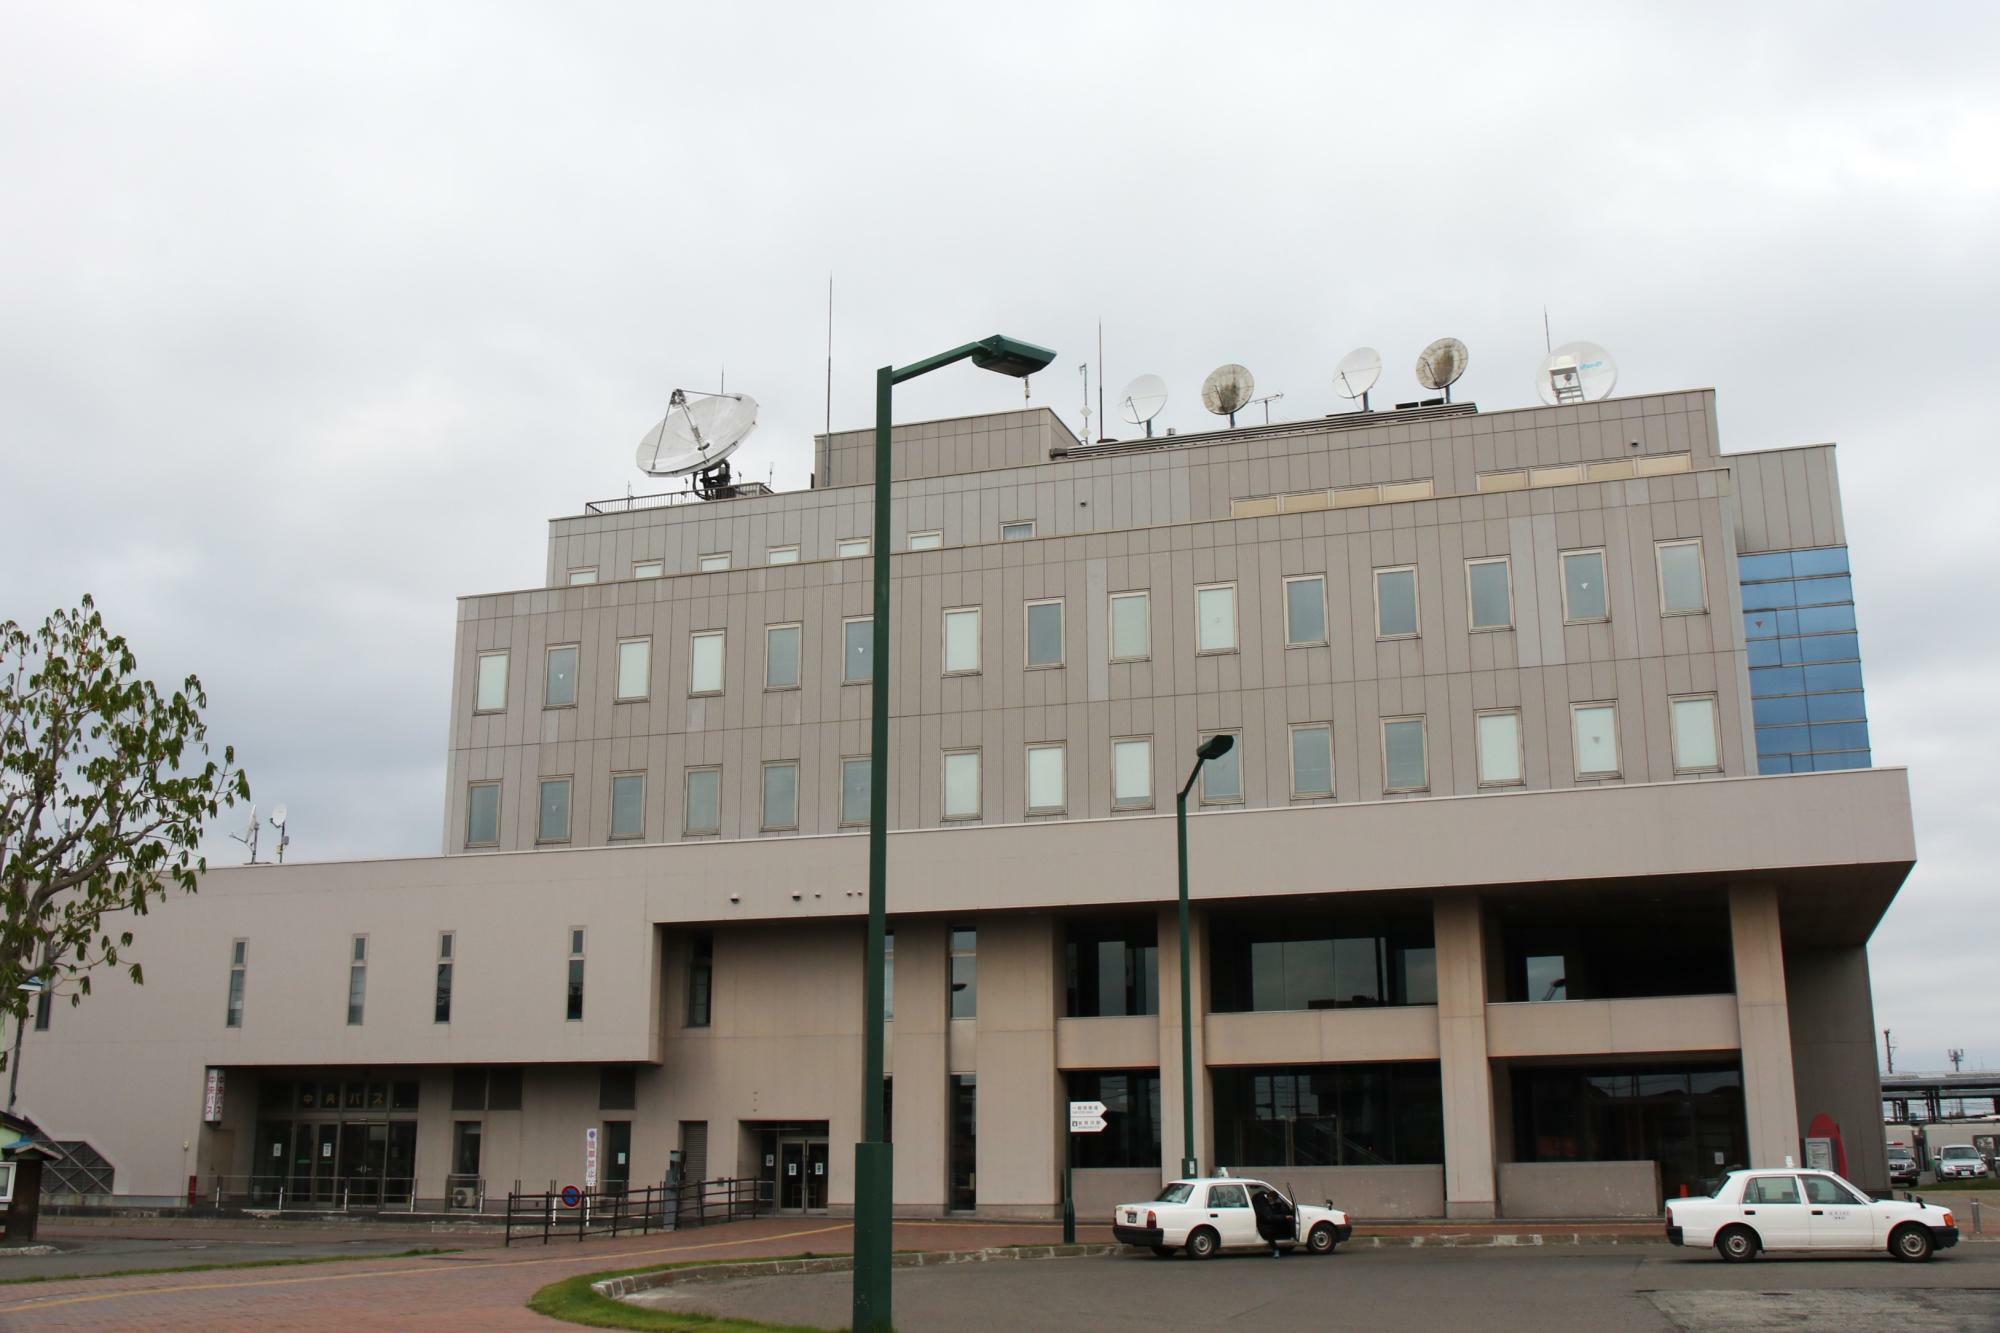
(1084, 1118)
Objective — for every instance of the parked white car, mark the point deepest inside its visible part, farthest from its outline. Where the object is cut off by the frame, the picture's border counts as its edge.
(1806, 1210)
(1960, 1161)
(1211, 1213)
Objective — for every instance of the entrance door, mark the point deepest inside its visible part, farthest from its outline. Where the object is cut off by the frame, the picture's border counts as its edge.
(616, 1171)
(791, 1176)
(816, 1176)
(364, 1151)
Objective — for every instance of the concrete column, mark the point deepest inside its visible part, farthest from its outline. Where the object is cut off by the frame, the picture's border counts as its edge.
(917, 1068)
(1020, 1149)
(1833, 1053)
(1171, 1100)
(1770, 1102)
(1466, 1077)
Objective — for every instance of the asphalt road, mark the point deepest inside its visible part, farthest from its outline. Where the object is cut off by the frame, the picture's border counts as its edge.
(1648, 1288)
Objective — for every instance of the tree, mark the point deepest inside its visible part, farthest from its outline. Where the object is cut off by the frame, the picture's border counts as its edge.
(105, 784)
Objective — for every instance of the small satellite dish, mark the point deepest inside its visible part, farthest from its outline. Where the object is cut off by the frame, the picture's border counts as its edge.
(1579, 372)
(697, 435)
(1440, 365)
(250, 829)
(1141, 400)
(1227, 389)
(1356, 374)
(278, 817)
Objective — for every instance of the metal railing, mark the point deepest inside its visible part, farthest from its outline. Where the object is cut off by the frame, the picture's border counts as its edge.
(560, 1214)
(341, 1194)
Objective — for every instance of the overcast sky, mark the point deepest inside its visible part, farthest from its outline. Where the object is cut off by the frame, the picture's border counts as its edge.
(310, 316)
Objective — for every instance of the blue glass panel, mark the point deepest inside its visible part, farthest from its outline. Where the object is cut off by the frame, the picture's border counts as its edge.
(1841, 736)
(1783, 740)
(1824, 560)
(1837, 707)
(1777, 680)
(1777, 565)
(1828, 763)
(1826, 648)
(1768, 712)
(1774, 763)
(1833, 676)
(1811, 592)
(1763, 596)
(1819, 619)
(1790, 651)
(1764, 652)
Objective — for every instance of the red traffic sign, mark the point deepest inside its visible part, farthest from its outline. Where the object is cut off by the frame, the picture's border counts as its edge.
(571, 1196)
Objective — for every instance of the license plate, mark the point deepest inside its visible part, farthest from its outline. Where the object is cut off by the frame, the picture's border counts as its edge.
(1131, 1216)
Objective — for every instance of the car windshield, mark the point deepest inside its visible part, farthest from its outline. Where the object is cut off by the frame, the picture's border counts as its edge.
(1958, 1150)
(1175, 1193)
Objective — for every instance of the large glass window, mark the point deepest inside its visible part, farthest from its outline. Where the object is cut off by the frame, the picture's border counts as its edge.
(704, 801)
(559, 688)
(1695, 747)
(855, 775)
(239, 960)
(1045, 779)
(1584, 597)
(573, 991)
(705, 662)
(357, 980)
(482, 814)
(1222, 778)
(446, 961)
(1799, 615)
(1215, 618)
(1358, 959)
(857, 652)
(1312, 759)
(628, 805)
(1131, 626)
(1132, 772)
(1688, 1117)
(1489, 593)
(781, 796)
(1113, 967)
(961, 640)
(1045, 633)
(635, 669)
(1329, 1115)
(552, 817)
(1500, 748)
(964, 943)
(1131, 1133)
(781, 656)
(961, 784)
(1405, 761)
(492, 693)
(1396, 602)
(1596, 730)
(1305, 610)
(1682, 589)
(1562, 946)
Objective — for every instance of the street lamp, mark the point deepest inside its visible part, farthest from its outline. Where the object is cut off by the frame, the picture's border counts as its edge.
(35, 986)
(1213, 748)
(874, 1173)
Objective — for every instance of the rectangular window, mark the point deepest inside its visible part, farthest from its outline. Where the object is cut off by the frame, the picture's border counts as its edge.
(704, 801)
(1305, 610)
(357, 980)
(1131, 1134)
(961, 640)
(1045, 633)
(1396, 603)
(648, 569)
(1018, 531)
(781, 796)
(1222, 779)
(1131, 626)
(1584, 597)
(964, 972)
(849, 548)
(573, 990)
(1113, 967)
(961, 784)
(1696, 748)
(1348, 957)
(713, 563)
(782, 555)
(239, 957)
(926, 541)
(1132, 773)
(1499, 734)
(635, 669)
(781, 656)
(552, 818)
(1489, 593)
(1683, 591)
(628, 805)
(855, 775)
(701, 979)
(1312, 760)
(441, 1000)
(1045, 779)
(1405, 763)
(492, 683)
(963, 1154)
(705, 662)
(559, 691)
(580, 577)
(1596, 729)
(465, 1135)
(482, 814)
(857, 651)
(1215, 618)
(1330, 1115)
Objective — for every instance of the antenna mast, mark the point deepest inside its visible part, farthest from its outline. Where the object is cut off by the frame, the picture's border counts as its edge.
(829, 355)
(1889, 1050)
(1084, 370)
(1103, 422)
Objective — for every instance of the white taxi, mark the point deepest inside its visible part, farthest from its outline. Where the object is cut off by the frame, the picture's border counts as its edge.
(1209, 1213)
(1806, 1210)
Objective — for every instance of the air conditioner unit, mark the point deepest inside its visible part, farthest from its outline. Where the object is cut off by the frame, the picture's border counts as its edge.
(464, 1196)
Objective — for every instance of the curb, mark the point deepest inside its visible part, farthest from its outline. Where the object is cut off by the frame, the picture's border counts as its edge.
(619, 1287)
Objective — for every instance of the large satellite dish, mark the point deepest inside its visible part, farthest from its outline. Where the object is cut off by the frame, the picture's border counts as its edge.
(698, 432)
(1580, 372)
(1440, 365)
(1227, 389)
(1356, 374)
(1141, 400)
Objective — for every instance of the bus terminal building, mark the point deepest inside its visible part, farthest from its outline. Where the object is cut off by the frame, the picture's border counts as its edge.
(1538, 882)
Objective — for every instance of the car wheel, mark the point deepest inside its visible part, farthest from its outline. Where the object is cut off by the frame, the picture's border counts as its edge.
(1910, 1243)
(1163, 1251)
(1202, 1243)
(1737, 1244)
(1320, 1239)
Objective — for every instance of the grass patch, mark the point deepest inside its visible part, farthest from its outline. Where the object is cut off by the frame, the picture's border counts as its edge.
(573, 1301)
(418, 1253)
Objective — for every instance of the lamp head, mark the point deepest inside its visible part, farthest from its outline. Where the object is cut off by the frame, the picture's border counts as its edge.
(1215, 747)
(1010, 356)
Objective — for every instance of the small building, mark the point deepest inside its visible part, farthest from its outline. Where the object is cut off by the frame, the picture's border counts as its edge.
(21, 1159)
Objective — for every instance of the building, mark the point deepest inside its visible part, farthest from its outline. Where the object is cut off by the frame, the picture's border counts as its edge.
(1501, 906)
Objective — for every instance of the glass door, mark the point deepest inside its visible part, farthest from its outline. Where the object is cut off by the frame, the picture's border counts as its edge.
(791, 1176)
(816, 1176)
(617, 1169)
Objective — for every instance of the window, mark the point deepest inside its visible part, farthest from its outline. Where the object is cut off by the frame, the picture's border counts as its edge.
(1312, 760)
(552, 818)
(1215, 618)
(1396, 603)
(701, 978)
(239, 952)
(1131, 626)
(781, 656)
(1113, 967)
(704, 801)
(1131, 1133)
(1771, 1190)
(1346, 958)
(1222, 779)
(855, 776)
(1018, 531)
(441, 1001)
(1499, 736)
(1330, 1115)
(962, 1156)
(628, 805)
(1305, 610)
(964, 944)
(648, 569)
(1489, 594)
(857, 652)
(1045, 633)
(926, 541)
(635, 669)
(847, 548)
(781, 796)
(705, 662)
(1827, 1189)
(1584, 597)
(713, 563)
(559, 691)
(1132, 773)
(961, 784)
(1695, 740)
(465, 1135)
(1405, 765)
(1683, 592)
(482, 814)
(492, 694)
(1596, 729)
(782, 555)
(1045, 779)
(580, 577)
(961, 640)
(573, 991)
(1228, 1196)
(357, 980)
(617, 1088)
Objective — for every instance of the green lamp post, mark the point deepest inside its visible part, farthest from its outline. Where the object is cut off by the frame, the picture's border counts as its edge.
(874, 1172)
(1212, 748)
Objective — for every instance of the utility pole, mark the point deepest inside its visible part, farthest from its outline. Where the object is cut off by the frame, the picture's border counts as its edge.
(1957, 1057)
(1889, 1050)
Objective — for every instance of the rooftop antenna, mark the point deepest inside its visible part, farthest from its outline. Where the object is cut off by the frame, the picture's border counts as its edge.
(695, 438)
(1142, 400)
(284, 838)
(1545, 330)
(1356, 374)
(1579, 372)
(1084, 370)
(1440, 365)
(1889, 1050)
(1957, 1057)
(829, 355)
(1227, 390)
(1266, 400)
(1103, 422)
(248, 837)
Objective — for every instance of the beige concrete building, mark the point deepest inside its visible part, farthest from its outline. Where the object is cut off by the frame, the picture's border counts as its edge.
(1539, 881)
